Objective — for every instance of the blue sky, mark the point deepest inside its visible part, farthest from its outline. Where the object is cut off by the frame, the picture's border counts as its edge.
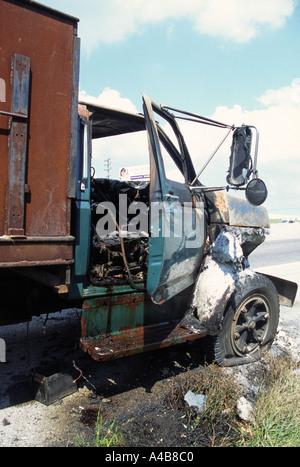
(234, 60)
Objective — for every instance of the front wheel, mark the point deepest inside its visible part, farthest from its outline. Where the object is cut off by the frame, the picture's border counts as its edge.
(250, 323)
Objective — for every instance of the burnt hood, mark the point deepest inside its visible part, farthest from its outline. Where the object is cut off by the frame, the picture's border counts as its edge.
(225, 209)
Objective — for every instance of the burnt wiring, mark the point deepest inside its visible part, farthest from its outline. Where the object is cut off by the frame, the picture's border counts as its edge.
(130, 278)
(81, 375)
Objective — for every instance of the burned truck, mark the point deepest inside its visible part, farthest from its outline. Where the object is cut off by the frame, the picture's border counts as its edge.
(150, 263)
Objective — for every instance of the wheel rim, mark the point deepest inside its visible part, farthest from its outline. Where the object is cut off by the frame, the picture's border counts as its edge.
(250, 325)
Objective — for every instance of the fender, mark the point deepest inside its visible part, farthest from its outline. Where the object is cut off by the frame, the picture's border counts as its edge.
(287, 290)
(222, 270)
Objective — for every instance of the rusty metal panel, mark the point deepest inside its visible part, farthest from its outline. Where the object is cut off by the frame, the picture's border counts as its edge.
(217, 205)
(18, 146)
(49, 40)
(35, 252)
(136, 340)
(74, 122)
(115, 326)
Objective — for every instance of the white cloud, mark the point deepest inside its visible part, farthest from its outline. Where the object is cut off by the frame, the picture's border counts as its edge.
(241, 20)
(124, 150)
(286, 95)
(278, 123)
(109, 98)
(116, 20)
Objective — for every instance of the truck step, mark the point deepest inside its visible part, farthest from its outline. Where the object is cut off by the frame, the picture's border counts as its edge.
(137, 340)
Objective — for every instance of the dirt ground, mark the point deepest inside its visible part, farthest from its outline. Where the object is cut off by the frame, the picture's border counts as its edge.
(132, 390)
(136, 391)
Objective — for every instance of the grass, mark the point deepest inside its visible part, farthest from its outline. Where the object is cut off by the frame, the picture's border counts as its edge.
(107, 435)
(276, 408)
(277, 419)
(277, 221)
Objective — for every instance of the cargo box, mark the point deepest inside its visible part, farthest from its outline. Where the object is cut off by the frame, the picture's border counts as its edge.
(38, 133)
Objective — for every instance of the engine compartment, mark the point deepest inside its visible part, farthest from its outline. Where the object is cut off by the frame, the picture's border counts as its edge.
(120, 256)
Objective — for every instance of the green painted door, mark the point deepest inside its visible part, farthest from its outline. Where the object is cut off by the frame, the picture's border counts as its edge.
(177, 221)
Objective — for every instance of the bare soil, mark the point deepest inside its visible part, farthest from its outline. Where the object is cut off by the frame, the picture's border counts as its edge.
(133, 390)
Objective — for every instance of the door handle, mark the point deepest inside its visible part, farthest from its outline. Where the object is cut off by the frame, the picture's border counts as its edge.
(168, 196)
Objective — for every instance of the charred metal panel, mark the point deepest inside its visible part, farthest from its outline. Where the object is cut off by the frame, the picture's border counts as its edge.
(52, 383)
(287, 290)
(217, 207)
(18, 146)
(224, 209)
(243, 214)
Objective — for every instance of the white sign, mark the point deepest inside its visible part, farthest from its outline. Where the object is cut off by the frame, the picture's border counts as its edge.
(136, 173)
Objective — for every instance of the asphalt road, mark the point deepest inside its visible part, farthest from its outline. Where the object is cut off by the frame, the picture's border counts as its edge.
(276, 252)
(280, 253)
(279, 256)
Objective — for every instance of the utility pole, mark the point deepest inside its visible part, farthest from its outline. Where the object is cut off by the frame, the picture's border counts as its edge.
(107, 167)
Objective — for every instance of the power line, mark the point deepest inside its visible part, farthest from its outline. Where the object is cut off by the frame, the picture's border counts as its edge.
(107, 167)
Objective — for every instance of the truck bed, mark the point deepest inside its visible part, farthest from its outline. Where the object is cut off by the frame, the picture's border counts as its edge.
(38, 133)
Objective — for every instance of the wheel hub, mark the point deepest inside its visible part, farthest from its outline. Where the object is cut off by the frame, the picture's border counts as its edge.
(250, 325)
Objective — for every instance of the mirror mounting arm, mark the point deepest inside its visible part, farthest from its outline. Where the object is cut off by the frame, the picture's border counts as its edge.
(212, 156)
(255, 171)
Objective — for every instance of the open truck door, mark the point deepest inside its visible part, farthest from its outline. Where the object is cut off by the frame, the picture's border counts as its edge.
(177, 222)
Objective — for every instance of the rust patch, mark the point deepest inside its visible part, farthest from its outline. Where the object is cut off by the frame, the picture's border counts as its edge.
(83, 326)
(140, 339)
(218, 207)
(22, 253)
(131, 300)
(83, 112)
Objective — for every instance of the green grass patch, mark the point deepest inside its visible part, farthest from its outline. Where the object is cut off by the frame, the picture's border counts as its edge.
(107, 435)
(277, 417)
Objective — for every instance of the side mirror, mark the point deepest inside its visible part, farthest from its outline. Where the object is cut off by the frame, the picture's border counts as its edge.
(240, 160)
(256, 192)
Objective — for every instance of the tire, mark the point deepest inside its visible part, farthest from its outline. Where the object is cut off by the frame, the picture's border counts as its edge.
(250, 322)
